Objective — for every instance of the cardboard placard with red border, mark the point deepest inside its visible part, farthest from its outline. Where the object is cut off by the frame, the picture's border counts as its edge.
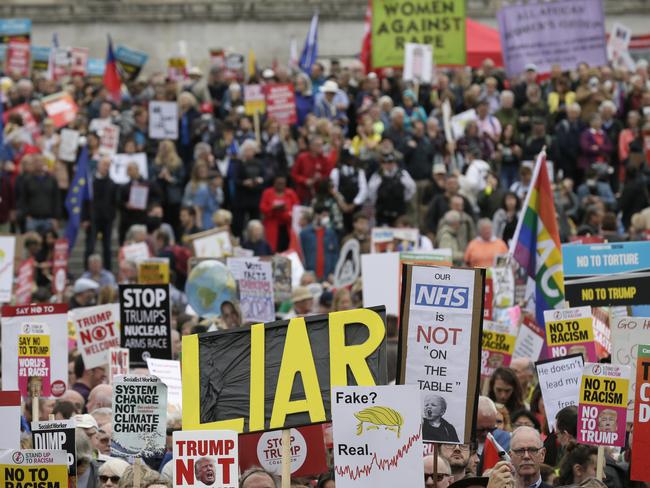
(61, 108)
(281, 103)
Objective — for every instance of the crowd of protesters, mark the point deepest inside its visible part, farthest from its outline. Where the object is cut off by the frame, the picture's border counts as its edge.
(367, 151)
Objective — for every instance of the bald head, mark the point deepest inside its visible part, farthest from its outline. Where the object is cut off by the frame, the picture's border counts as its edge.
(101, 396)
(525, 371)
(75, 398)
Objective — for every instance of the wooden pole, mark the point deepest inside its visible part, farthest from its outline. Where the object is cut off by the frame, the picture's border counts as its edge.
(600, 464)
(137, 474)
(435, 464)
(35, 409)
(286, 458)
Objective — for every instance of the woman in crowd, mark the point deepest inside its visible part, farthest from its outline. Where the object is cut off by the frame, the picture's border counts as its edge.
(505, 388)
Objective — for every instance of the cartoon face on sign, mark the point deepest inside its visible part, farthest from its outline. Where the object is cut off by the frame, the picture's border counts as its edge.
(379, 417)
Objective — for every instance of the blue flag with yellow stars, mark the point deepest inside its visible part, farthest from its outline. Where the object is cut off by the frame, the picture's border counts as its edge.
(79, 192)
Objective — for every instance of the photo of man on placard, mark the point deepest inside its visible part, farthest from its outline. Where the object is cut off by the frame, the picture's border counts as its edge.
(205, 470)
(435, 428)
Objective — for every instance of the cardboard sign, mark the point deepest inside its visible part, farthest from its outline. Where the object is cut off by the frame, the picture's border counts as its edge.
(498, 344)
(640, 468)
(488, 302)
(440, 327)
(348, 266)
(17, 60)
(98, 330)
(177, 68)
(418, 63)
(11, 29)
(60, 266)
(627, 334)
(559, 380)
(153, 271)
(34, 360)
(120, 164)
(281, 278)
(163, 120)
(255, 280)
(69, 145)
(96, 67)
(145, 315)
(419, 21)
(602, 332)
(59, 435)
(205, 458)
(109, 139)
(254, 101)
(25, 282)
(569, 34)
(61, 108)
(377, 439)
(308, 457)
(251, 362)
(169, 372)
(79, 61)
(139, 417)
(10, 412)
(118, 362)
(31, 467)
(570, 331)
(386, 239)
(130, 62)
(603, 399)
(503, 284)
(135, 252)
(281, 103)
(7, 250)
(138, 196)
(213, 243)
(529, 342)
(40, 58)
(50, 317)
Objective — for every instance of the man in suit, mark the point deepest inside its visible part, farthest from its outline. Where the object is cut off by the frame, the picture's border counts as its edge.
(527, 453)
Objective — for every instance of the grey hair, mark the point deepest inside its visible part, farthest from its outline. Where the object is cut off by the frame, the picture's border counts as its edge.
(607, 104)
(486, 405)
(397, 110)
(452, 217)
(506, 94)
(247, 144)
(134, 229)
(201, 148)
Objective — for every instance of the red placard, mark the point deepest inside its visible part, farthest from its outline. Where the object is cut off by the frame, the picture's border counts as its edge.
(61, 108)
(587, 239)
(640, 468)
(59, 266)
(79, 61)
(18, 58)
(281, 103)
(265, 450)
(34, 309)
(29, 122)
(25, 282)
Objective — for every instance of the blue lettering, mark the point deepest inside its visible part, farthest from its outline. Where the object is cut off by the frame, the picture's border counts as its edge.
(441, 296)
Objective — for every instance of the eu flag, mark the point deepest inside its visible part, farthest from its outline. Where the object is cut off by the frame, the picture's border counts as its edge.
(79, 192)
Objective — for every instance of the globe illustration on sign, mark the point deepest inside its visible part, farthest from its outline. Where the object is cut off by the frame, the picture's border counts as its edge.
(209, 284)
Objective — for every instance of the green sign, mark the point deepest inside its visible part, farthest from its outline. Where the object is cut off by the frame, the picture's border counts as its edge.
(440, 23)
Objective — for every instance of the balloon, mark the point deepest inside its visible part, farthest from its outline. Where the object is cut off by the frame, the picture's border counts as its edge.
(209, 284)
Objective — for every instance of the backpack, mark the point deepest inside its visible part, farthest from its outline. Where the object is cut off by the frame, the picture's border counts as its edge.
(390, 198)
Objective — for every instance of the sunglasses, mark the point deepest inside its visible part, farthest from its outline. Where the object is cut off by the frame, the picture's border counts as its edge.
(114, 479)
(439, 476)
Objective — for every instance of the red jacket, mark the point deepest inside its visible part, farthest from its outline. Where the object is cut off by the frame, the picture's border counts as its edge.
(274, 216)
(309, 166)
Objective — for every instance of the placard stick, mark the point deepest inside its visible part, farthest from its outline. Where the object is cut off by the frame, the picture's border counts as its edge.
(51, 417)
(600, 463)
(137, 475)
(435, 463)
(286, 458)
(36, 415)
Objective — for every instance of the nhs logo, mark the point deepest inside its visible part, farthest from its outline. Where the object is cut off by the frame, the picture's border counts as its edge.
(441, 296)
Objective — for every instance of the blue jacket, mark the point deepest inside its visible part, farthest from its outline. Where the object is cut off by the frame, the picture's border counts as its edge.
(309, 247)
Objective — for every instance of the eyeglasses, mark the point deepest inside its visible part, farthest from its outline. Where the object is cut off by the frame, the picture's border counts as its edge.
(453, 447)
(439, 476)
(114, 479)
(522, 451)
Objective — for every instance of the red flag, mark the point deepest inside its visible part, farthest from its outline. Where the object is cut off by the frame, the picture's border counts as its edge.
(112, 80)
(491, 451)
(366, 44)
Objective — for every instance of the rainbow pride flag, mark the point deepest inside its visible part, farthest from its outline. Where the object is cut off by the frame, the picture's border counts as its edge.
(535, 245)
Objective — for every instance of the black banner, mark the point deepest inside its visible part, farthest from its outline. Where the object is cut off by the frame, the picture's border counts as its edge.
(57, 434)
(279, 375)
(145, 317)
(610, 290)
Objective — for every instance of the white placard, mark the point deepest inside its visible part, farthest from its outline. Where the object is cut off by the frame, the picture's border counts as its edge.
(626, 334)
(120, 163)
(138, 196)
(135, 252)
(418, 63)
(169, 372)
(441, 328)
(68, 145)
(528, 344)
(559, 380)
(206, 458)
(213, 245)
(459, 121)
(380, 275)
(376, 435)
(163, 120)
(348, 266)
(255, 283)
(7, 250)
(109, 140)
(10, 411)
(98, 330)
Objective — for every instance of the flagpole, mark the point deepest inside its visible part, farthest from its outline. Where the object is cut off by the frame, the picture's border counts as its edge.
(522, 213)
